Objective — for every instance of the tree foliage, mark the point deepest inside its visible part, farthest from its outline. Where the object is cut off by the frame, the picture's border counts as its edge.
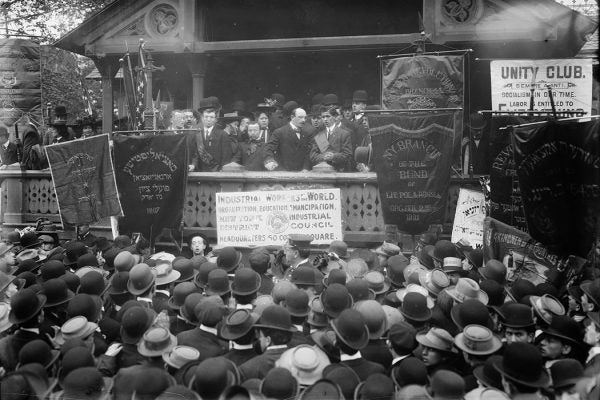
(45, 20)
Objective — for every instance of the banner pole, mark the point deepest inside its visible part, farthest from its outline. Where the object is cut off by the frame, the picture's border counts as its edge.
(429, 53)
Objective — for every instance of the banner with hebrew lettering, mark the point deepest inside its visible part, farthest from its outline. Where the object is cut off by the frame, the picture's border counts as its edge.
(84, 180)
(468, 219)
(151, 176)
(20, 80)
(529, 259)
(558, 164)
(413, 158)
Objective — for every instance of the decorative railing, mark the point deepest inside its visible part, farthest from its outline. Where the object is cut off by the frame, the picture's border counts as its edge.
(28, 195)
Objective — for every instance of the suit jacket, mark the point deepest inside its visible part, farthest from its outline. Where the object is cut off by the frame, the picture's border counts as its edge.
(259, 366)
(291, 153)
(253, 153)
(378, 352)
(364, 368)
(238, 357)
(8, 155)
(218, 145)
(340, 144)
(206, 343)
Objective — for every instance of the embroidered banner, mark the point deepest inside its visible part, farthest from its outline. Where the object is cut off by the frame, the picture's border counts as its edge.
(524, 256)
(558, 164)
(413, 158)
(151, 176)
(84, 180)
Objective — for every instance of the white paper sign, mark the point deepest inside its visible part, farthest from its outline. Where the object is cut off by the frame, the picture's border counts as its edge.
(570, 80)
(468, 220)
(268, 217)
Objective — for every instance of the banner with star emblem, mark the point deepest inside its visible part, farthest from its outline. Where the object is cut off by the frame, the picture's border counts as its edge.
(84, 180)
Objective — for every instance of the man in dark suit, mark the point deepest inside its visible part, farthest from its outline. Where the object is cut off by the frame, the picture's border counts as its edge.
(205, 338)
(333, 144)
(214, 145)
(8, 150)
(288, 149)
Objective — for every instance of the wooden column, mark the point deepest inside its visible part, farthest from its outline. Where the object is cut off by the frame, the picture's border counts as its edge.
(197, 65)
(108, 67)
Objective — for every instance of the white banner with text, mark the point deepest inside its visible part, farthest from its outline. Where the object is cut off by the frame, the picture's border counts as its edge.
(513, 82)
(268, 217)
(468, 220)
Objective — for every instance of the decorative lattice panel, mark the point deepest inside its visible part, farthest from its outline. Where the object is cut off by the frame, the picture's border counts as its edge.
(39, 196)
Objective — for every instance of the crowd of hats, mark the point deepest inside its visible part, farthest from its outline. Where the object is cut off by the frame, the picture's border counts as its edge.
(96, 320)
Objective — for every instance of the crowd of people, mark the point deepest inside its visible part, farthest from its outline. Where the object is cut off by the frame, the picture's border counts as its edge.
(100, 318)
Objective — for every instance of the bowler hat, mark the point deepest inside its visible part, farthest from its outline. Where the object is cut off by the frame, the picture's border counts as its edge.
(377, 282)
(475, 257)
(351, 328)
(37, 351)
(521, 288)
(374, 316)
(156, 341)
(185, 268)
(24, 305)
(289, 106)
(189, 304)
(178, 392)
(403, 337)
(136, 320)
(359, 290)
(259, 261)
(494, 291)
(477, 340)
(93, 283)
(238, 324)
(280, 290)
(495, 270)
(444, 248)
(209, 102)
(279, 384)
(344, 377)
(124, 261)
(87, 260)
(218, 283)
(305, 362)
(447, 385)
(296, 302)
(437, 338)
(516, 315)
(592, 290)
(471, 312)
(410, 371)
(210, 311)
(6, 280)
(335, 299)
(201, 278)
(52, 269)
(565, 372)
(151, 383)
(376, 386)
(28, 278)
(141, 278)
(434, 281)
(86, 305)
(547, 306)
(414, 307)
(335, 276)
(566, 329)
(229, 259)
(85, 383)
(73, 251)
(467, 288)
(75, 357)
(425, 256)
(330, 99)
(180, 292)
(317, 316)
(118, 283)
(395, 269)
(360, 96)
(245, 282)
(30, 239)
(56, 292)
(522, 363)
(275, 317)
(487, 374)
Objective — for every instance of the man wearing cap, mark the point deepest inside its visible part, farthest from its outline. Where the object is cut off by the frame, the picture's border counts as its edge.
(522, 371)
(517, 320)
(296, 251)
(205, 338)
(214, 145)
(238, 328)
(288, 149)
(332, 144)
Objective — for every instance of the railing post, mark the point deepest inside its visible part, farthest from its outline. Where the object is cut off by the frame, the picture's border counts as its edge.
(13, 211)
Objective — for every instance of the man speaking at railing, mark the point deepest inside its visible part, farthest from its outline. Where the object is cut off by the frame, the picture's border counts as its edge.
(288, 149)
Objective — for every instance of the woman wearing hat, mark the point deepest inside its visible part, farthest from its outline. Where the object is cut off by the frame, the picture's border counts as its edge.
(437, 350)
